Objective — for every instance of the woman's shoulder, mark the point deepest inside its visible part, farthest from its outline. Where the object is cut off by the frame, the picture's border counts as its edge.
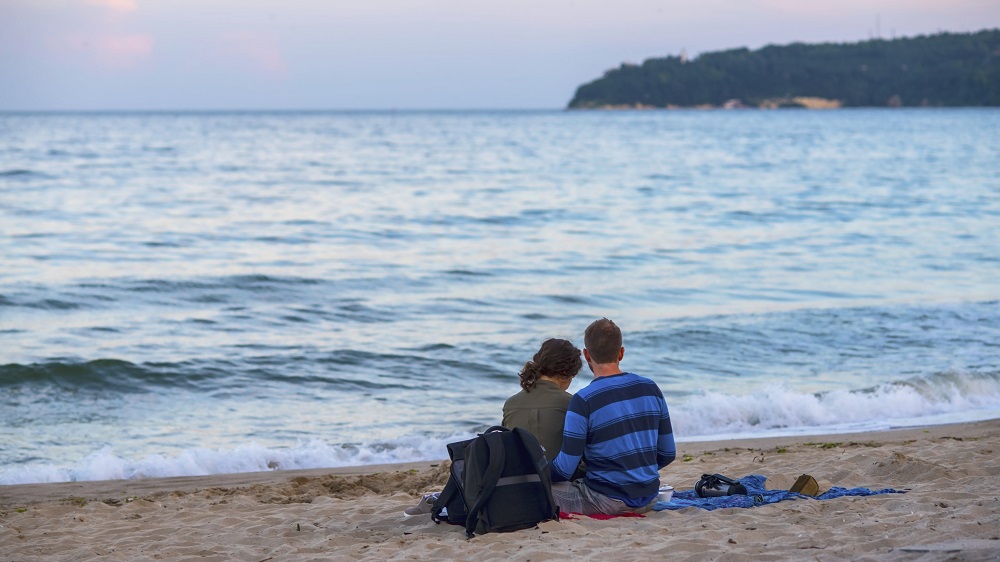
(542, 396)
(516, 398)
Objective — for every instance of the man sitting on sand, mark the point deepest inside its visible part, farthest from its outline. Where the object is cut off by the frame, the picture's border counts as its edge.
(620, 426)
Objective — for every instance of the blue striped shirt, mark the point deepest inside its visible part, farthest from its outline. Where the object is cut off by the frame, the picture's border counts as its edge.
(620, 426)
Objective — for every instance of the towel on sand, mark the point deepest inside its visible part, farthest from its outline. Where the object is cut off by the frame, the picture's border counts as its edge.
(758, 495)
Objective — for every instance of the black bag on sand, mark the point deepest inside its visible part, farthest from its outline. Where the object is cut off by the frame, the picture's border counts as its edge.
(504, 479)
(717, 485)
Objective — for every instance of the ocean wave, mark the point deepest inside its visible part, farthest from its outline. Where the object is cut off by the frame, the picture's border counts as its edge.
(110, 375)
(780, 410)
(41, 304)
(20, 173)
(109, 464)
(252, 283)
(341, 300)
(105, 293)
(773, 411)
(368, 371)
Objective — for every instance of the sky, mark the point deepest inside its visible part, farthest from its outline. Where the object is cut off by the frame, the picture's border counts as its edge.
(399, 54)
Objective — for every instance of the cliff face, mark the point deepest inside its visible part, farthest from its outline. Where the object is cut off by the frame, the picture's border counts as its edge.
(947, 69)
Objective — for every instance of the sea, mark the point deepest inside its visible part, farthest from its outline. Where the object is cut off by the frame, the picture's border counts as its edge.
(220, 292)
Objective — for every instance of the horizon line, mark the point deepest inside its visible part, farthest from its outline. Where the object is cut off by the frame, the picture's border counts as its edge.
(457, 110)
(287, 110)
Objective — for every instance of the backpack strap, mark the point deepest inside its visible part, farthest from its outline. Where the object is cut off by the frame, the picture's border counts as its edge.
(454, 486)
(489, 481)
(541, 464)
(442, 501)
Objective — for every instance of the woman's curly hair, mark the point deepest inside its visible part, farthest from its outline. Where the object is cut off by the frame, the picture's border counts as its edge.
(556, 358)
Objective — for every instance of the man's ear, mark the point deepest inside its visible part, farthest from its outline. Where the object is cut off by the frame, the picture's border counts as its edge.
(621, 354)
(586, 355)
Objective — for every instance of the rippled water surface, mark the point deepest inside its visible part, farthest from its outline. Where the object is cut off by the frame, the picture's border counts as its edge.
(202, 292)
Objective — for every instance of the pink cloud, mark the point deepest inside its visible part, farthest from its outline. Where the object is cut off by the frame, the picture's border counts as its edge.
(261, 50)
(109, 50)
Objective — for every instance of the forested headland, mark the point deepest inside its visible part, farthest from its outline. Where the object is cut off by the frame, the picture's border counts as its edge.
(945, 69)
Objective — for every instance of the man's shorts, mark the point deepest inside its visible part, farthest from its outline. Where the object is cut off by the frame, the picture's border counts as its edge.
(577, 497)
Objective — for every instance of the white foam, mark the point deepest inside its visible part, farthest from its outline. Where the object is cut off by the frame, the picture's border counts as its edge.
(775, 410)
(780, 410)
(108, 464)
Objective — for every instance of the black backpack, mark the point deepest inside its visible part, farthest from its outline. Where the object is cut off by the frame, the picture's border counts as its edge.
(499, 482)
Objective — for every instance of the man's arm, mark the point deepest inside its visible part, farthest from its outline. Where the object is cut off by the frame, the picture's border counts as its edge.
(666, 449)
(573, 443)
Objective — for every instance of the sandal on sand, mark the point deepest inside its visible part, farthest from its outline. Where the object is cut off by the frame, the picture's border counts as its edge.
(805, 485)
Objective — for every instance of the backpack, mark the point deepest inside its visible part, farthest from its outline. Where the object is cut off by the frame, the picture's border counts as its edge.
(499, 482)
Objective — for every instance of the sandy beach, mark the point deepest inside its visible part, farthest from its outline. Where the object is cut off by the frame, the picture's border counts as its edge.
(950, 512)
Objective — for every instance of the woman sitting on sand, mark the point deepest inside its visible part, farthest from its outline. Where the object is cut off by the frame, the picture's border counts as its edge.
(541, 405)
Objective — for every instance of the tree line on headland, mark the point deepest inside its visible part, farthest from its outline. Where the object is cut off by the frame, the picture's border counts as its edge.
(946, 69)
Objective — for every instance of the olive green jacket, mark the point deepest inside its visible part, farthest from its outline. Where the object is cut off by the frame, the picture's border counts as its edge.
(542, 412)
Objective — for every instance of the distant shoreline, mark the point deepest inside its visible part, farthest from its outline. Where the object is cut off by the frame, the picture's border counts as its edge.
(801, 102)
(941, 70)
(709, 107)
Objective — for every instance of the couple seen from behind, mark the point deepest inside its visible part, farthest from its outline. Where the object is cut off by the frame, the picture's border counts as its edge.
(617, 426)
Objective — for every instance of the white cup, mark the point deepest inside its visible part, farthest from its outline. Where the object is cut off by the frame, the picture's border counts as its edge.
(666, 492)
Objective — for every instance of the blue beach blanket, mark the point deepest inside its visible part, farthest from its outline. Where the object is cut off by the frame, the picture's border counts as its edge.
(758, 495)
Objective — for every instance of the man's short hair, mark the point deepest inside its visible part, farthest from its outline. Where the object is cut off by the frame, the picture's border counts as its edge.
(603, 340)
